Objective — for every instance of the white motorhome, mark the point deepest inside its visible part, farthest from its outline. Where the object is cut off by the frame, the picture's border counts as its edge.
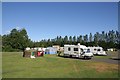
(97, 50)
(77, 51)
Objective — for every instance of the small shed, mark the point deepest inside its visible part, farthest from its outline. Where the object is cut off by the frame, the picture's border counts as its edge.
(50, 50)
(32, 53)
(29, 53)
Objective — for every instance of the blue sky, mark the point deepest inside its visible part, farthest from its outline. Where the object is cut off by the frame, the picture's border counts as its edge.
(44, 20)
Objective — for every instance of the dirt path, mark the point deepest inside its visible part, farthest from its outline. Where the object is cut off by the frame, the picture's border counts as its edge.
(112, 58)
(107, 60)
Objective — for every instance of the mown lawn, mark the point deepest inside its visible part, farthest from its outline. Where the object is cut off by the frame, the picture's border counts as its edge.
(52, 66)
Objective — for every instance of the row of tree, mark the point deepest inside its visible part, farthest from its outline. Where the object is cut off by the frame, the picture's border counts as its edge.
(18, 40)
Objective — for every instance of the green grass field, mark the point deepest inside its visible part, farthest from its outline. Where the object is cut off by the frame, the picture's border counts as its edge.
(52, 66)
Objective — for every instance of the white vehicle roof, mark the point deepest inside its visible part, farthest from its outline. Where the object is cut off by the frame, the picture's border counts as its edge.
(70, 45)
(95, 47)
(83, 47)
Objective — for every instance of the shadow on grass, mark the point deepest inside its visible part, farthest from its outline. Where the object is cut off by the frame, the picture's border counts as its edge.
(74, 57)
(114, 58)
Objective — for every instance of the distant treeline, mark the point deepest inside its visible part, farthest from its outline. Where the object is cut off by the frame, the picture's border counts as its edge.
(18, 40)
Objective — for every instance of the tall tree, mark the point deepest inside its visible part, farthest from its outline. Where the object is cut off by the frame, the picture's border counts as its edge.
(86, 38)
(16, 40)
(74, 39)
(80, 37)
(106, 37)
(49, 42)
(90, 37)
(70, 39)
(111, 36)
(103, 36)
(117, 37)
(24, 41)
(66, 39)
(96, 38)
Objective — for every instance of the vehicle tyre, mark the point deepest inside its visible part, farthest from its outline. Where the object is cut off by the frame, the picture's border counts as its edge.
(90, 57)
(70, 56)
(85, 57)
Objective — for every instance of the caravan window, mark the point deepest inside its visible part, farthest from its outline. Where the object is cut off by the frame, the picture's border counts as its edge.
(75, 49)
(94, 49)
(98, 50)
(81, 49)
(69, 49)
(88, 50)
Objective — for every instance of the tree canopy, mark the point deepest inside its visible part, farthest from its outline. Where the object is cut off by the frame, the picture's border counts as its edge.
(18, 40)
(15, 41)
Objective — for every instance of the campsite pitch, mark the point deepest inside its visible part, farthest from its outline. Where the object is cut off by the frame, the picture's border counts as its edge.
(52, 66)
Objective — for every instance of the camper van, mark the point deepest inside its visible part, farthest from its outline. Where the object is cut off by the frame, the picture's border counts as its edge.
(97, 51)
(77, 51)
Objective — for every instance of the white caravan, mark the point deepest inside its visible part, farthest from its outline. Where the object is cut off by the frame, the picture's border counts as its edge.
(77, 51)
(97, 51)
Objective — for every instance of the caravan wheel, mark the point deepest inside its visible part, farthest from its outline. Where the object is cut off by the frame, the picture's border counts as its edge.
(70, 56)
(86, 57)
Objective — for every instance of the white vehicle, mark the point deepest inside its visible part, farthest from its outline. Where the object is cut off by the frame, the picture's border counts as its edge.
(97, 51)
(27, 48)
(76, 51)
